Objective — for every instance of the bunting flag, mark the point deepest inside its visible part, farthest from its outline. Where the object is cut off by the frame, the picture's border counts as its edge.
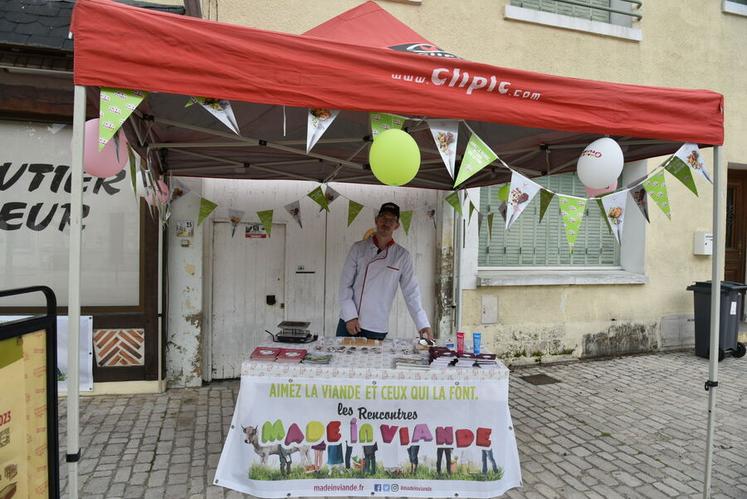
(115, 106)
(545, 198)
(476, 157)
(656, 186)
(317, 123)
(331, 195)
(133, 170)
(319, 198)
(690, 155)
(520, 194)
(682, 172)
(206, 208)
(384, 121)
(405, 218)
(490, 226)
(220, 109)
(446, 134)
(453, 200)
(471, 211)
(235, 216)
(265, 217)
(480, 217)
(502, 208)
(353, 210)
(638, 194)
(432, 216)
(572, 213)
(613, 206)
(294, 209)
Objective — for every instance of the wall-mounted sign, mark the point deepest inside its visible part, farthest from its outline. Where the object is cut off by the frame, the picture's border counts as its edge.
(255, 231)
(185, 228)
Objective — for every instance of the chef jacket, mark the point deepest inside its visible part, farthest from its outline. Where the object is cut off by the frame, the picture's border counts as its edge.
(369, 282)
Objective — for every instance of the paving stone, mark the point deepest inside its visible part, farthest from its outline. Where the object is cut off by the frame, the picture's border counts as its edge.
(631, 427)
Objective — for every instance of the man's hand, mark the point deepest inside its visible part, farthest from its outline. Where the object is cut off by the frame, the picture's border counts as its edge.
(353, 327)
(426, 333)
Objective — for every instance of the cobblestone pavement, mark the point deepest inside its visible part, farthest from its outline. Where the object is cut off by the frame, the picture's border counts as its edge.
(628, 427)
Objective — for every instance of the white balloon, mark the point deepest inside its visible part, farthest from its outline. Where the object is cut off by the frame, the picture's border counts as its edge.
(600, 163)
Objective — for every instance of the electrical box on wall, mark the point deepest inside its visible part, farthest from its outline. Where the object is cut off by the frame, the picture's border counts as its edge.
(702, 243)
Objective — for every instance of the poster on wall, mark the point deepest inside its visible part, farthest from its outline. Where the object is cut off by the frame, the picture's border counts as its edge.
(35, 221)
(85, 350)
(348, 437)
(23, 416)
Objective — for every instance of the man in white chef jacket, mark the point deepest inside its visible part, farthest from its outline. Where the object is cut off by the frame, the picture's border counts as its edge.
(373, 269)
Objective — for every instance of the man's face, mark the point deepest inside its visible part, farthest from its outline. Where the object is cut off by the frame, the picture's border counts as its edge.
(386, 224)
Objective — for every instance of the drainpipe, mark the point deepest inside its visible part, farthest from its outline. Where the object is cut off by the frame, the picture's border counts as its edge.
(458, 245)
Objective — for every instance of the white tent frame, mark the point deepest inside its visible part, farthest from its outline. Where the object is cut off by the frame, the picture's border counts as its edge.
(76, 225)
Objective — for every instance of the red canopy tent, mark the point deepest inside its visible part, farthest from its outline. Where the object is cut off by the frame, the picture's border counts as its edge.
(361, 61)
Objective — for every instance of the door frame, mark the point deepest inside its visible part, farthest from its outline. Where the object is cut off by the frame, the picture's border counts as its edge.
(207, 296)
(740, 176)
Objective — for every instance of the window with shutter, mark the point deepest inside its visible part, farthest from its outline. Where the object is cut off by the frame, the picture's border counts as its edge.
(530, 243)
(618, 12)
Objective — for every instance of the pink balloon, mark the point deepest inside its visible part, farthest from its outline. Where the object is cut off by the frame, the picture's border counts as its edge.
(105, 163)
(592, 193)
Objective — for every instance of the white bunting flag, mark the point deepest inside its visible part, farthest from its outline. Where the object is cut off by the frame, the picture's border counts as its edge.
(521, 192)
(446, 133)
(219, 108)
(690, 155)
(235, 217)
(294, 209)
(317, 123)
(614, 210)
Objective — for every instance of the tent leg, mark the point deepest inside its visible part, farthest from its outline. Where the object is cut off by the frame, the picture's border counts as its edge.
(458, 243)
(73, 304)
(716, 266)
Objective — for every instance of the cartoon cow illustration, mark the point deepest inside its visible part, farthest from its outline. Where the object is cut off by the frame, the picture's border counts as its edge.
(265, 451)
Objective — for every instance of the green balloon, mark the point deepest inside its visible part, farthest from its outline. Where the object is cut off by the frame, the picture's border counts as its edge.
(503, 192)
(394, 157)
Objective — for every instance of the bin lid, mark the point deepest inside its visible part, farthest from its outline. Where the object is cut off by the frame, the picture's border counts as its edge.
(725, 286)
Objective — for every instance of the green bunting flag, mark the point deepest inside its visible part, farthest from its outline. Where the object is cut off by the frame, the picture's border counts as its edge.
(206, 208)
(265, 216)
(453, 200)
(471, 211)
(476, 156)
(319, 198)
(682, 172)
(545, 198)
(490, 225)
(405, 219)
(479, 223)
(656, 186)
(572, 213)
(115, 106)
(384, 121)
(353, 210)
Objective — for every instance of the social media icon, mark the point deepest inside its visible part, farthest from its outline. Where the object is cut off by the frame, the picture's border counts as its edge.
(386, 487)
(377, 487)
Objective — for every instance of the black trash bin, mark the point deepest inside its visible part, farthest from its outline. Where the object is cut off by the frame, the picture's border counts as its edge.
(731, 310)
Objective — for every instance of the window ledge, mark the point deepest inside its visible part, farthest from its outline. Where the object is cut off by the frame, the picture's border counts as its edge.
(735, 8)
(487, 278)
(572, 23)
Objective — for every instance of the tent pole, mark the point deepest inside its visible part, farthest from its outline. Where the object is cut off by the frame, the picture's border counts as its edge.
(716, 265)
(458, 236)
(73, 300)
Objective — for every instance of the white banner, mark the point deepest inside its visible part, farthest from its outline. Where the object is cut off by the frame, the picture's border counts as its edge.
(85, 350)
(305, 437)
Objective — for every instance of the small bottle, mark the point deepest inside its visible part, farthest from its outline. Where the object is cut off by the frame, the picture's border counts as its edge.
(476, 343)
(450, 343)
(460, 342)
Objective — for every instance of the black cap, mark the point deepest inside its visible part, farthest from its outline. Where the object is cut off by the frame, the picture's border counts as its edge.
(389, 208)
